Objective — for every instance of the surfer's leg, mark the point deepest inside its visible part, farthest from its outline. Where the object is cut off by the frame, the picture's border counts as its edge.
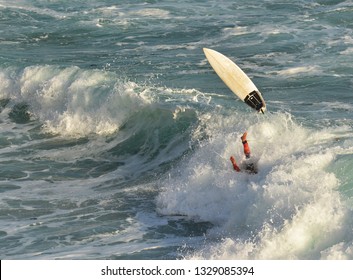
(235, 166)
(245, 145)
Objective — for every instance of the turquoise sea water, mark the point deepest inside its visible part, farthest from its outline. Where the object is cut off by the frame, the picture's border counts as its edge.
(115, 133)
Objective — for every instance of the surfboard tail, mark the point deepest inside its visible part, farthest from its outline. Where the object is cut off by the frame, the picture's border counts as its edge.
(255, 101)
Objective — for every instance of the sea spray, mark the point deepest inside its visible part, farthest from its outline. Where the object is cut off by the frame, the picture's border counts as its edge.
(74, 102)
(291, 209)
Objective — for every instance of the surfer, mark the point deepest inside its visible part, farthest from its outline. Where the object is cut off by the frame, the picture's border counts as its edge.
(249, 166)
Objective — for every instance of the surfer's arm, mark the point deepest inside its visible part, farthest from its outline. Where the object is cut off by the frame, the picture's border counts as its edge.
(235, 166)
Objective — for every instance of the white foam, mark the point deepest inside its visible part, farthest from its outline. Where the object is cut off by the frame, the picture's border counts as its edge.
(74, 102)
(236, 31)
(291, 209)
(298, 70)
(7, 87)
(150, 12)
(347, 51)
(115, 15)
(40, 11)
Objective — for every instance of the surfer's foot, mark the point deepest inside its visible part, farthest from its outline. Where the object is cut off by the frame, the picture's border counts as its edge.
(243, 138)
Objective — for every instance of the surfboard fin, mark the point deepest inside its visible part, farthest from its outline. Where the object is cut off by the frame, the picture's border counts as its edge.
(254, 100)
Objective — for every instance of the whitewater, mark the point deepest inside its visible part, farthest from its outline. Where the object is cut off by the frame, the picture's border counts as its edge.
(116, 134)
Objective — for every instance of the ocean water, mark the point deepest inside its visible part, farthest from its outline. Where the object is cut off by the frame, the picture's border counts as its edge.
(115, 133)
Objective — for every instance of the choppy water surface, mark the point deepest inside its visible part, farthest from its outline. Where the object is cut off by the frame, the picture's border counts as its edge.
(115, 133)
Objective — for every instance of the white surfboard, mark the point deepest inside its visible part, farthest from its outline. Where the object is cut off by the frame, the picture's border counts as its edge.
(239, 83)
